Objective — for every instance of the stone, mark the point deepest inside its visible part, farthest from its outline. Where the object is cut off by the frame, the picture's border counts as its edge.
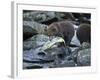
(35, 41)
(39, 16)
(40, 28)
(84, 57)
(28, 32)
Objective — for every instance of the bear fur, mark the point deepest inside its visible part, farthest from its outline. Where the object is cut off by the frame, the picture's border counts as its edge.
(84, 33)
(64, 29)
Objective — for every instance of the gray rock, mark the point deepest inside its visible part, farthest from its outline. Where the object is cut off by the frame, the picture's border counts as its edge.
(85, 45)
(84, 57)
(28, 32)
(35, 42)
(40, 28)
(27, 45)
(65, 15)
(60, 54)
(36, 56)
(38, 16)
(54, 57)
(64, 63)
(47, 17)
(39, 38)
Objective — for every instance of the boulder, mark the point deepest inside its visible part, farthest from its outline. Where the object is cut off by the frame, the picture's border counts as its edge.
(28, 32)
(38, 16)
(35, 42)
(40, 28)
(84, 57)
(64, 16)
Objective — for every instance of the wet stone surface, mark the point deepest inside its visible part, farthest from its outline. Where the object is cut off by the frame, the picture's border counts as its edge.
(49, 58)
(53, 57)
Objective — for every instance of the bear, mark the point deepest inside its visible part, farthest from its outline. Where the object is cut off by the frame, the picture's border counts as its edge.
(84, 33)
(64, 29)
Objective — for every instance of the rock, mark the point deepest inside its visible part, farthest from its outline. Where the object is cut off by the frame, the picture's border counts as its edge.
(47, 17)
(40, 28)
(35, 41)
(39, 16)
(27, 45)
(36, 56)
(39, 37)
(66, 63)
(65, 16)
(84, 57)
(78, 52)
(85, 45)
(28, 32)
(59, 53)
(47, 58)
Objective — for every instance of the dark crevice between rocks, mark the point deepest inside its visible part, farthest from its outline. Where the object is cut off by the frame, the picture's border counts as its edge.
(38, 61)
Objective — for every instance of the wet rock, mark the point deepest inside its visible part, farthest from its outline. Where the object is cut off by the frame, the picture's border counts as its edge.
(39, 37)
(27, 45)
(59, 54)
(65, 16)
(84, 57)
(34, 56)
(39, 16)
(28, 32)
(60, 16)
(80, 53)
(35, 41)
(47, 17)
(40, 28)
(50, 57)
(85, 45)
(66, 63)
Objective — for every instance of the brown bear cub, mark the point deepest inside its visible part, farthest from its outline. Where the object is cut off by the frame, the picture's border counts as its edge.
(64, 29)
(84, 33)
